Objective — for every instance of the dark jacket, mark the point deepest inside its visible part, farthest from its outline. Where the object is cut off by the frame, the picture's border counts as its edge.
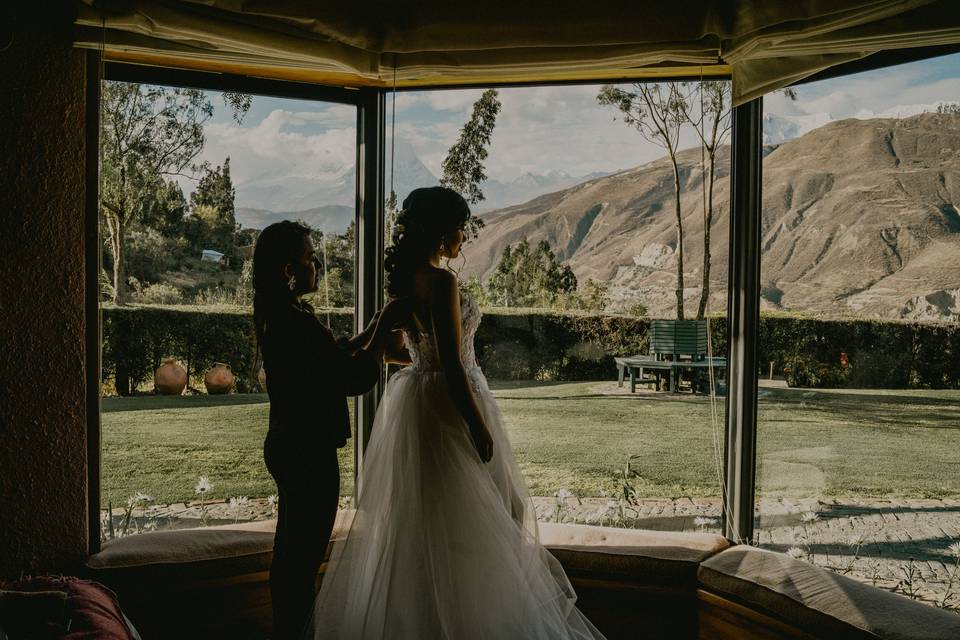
(309, 376)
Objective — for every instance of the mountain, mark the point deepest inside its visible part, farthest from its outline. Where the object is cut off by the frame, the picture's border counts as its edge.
(499, 194)
(332, 218)
(859, 217)
(336, 185)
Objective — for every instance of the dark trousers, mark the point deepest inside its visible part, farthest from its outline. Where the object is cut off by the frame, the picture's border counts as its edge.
(308, 483)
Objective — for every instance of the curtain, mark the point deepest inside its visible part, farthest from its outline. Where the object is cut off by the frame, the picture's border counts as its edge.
(764, 45)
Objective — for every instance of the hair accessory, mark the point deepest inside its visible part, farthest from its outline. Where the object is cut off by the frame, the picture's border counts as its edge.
(292, 282)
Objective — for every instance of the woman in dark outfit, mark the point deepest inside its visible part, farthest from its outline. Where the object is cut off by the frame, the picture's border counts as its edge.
(309, 376)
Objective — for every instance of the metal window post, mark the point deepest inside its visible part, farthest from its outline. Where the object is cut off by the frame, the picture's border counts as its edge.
(368, 276)
(743, 313)
(92, 248)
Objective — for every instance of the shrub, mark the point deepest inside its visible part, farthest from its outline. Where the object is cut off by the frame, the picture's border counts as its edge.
(159, 293)
(552, 345)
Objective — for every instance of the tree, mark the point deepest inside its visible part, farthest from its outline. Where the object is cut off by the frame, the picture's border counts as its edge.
(463, 167)
(336, 253)
(148, 132)
(658, 112)
(530, 277)
(949, 108)
(712, 124)
(213, 202)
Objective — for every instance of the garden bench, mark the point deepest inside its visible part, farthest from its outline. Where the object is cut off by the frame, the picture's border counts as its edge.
(675, 346)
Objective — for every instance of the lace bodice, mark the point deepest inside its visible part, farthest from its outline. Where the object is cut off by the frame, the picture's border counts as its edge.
(423, 348)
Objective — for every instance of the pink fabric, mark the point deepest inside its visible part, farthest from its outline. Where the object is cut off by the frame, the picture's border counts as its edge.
(93, 609)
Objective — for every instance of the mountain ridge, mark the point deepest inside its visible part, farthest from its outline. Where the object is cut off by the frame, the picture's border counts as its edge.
(859, 218)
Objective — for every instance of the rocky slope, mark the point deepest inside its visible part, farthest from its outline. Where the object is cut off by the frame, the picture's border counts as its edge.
(859, 218)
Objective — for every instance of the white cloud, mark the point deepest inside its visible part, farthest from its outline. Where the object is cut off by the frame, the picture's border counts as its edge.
(315, 146)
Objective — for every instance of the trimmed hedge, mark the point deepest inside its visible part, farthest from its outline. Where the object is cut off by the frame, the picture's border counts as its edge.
(544, 345)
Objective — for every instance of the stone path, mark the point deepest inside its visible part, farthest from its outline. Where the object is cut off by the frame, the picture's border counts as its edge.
(900, 545)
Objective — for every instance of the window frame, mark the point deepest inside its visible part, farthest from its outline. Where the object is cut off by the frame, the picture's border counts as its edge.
(368, 248)
(743, 308)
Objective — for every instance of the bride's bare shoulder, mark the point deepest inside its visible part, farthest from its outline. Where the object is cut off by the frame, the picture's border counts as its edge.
(436, 281)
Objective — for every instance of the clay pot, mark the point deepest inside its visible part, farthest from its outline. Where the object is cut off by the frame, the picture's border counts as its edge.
(262, 379)
(219, 379)
(170, 379)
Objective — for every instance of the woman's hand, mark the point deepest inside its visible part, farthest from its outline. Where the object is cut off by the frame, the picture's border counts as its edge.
(483, 443)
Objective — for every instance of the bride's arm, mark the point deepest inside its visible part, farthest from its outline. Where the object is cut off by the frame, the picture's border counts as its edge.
(445, 317)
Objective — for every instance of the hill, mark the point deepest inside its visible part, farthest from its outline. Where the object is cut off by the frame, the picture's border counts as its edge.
(859, 217)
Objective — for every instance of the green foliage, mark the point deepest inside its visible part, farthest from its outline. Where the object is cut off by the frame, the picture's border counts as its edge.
(148, 132)
(528, 345)
(212, 203)
(463, 167)
(150, 253)
(530, 277)
(878, 354)
(159, 293)
(239, 104)
(335, 277)
(137, 339)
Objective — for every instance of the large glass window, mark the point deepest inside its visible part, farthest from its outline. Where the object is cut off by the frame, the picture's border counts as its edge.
(859, 413)
(577, 259)
(188, 180)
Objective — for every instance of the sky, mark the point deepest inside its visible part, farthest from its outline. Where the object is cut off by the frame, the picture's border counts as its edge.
(539, 130)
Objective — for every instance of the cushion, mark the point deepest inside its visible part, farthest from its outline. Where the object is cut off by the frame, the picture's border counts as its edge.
(199, 553)
(822, 603)
(663, 558)
(208, 552)
(91, 608)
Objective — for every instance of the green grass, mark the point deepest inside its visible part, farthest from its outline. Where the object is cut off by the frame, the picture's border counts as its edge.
(577, 436)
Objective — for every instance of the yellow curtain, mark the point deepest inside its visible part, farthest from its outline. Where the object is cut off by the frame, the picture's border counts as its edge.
(763, 44)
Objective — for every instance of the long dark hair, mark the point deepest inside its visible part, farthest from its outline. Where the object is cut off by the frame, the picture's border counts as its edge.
(279, 244)
(427, 215)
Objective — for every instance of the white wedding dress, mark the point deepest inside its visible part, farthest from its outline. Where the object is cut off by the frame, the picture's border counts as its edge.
(443, 546)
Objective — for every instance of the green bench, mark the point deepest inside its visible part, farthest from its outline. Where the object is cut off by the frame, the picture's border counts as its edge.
(675, 346)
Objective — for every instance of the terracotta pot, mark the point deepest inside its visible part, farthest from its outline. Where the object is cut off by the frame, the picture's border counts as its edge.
(170, 379)
(262, 379)
(219, 379)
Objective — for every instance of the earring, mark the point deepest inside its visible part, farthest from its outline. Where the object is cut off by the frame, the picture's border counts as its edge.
(292, 283)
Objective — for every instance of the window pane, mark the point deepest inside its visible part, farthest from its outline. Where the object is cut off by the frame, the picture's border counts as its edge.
(577, 256)
(189, 178)
(859, 413)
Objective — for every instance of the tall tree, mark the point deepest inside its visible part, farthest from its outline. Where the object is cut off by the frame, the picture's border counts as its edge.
(148, 132)
(658, 112)
(215, 197)
(708, 112)
(530, 276)
(463, 167)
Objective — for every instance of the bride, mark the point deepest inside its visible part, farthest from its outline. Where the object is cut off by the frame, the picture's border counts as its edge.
(444, 543)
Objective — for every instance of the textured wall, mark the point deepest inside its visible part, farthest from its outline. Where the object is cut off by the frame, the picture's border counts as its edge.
(42, 406)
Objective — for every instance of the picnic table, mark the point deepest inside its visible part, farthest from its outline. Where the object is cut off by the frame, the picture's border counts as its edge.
(651, 369)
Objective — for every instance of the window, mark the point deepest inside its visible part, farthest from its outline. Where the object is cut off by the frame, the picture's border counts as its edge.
(189, 177)
(576, 259)
(859, 416)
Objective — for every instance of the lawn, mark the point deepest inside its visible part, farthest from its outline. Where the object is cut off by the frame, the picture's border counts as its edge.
(578, 436)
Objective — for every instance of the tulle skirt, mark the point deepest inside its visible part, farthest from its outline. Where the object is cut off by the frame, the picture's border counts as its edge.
(442, 546)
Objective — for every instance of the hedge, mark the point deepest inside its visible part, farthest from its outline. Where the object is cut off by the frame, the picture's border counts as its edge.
(546, 345)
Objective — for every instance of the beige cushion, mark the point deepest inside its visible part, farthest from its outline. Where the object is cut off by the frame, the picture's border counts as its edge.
(821, 603)
(662, 558)
(199, 553)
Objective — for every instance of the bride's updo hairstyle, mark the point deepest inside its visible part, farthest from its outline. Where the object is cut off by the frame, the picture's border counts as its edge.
(279, 244)
(428, 214)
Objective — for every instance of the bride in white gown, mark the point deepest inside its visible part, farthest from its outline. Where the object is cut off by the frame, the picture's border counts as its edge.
(444, 543)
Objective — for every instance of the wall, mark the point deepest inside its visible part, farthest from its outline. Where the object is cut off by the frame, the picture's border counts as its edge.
(43, 481)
